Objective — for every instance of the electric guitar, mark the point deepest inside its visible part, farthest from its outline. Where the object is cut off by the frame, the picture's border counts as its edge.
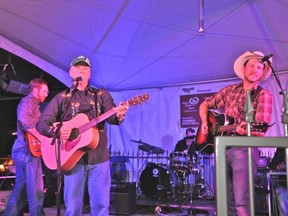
(218, 125)
(33, 143)
(84, 137)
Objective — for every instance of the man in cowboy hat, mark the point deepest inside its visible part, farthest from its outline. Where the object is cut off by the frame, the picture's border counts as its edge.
(251, 70)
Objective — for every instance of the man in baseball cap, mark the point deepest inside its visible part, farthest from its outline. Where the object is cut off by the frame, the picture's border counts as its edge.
(89, 147)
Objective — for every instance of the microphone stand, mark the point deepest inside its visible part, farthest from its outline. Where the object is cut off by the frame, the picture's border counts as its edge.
(57, 137)
(284, 115)
(59, 174)
(285, 106)
(248, 109)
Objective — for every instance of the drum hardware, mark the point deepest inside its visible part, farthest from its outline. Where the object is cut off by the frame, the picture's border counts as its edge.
(159, 182)
(180, 162)
(174, 182)
(183, 167)
(149, 149)
(201, 189)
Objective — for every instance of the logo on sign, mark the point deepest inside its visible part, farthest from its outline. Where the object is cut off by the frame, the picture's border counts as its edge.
(194, 101)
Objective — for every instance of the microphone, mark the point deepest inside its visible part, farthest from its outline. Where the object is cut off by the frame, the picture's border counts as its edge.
(266, 58)
(189, 137)
(77, 79)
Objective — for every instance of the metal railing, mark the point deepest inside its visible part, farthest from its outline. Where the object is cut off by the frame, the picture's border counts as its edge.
(221, 143)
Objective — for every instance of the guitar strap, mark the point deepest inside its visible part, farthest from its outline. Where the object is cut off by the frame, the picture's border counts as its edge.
(98, 109)
(256, 92)
(66, 102)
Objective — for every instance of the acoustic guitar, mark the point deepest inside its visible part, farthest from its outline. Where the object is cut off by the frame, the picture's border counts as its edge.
(84, 137)
(219, 125)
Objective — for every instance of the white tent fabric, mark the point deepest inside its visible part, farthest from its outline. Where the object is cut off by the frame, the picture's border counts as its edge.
(143, 44)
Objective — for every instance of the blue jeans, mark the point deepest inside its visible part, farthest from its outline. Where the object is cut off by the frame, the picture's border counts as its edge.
(99, 181)
(238, 180)
(28, 185)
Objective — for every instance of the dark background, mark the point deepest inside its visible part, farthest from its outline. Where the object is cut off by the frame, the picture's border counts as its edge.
(23, 72)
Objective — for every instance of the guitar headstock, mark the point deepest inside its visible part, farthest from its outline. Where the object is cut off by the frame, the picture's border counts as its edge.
(260, 126)
(138, 99)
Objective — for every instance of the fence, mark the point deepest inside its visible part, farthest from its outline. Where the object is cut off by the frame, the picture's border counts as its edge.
(128, 167)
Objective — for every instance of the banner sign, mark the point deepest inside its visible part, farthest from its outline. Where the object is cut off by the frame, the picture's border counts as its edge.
(189, 109)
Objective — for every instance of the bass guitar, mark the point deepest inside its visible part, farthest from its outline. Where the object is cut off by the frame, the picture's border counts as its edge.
(84, 137)
(219, 125)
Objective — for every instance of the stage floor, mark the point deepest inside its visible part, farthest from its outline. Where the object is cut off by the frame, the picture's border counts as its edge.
(144, 206)
(149, 208)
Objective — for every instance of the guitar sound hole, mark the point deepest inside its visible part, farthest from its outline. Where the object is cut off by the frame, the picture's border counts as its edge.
(74, 134)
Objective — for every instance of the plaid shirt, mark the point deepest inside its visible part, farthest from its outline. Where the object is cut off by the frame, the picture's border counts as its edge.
(233, 99)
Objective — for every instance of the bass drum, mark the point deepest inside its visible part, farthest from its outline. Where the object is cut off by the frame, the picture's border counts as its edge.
(158, 181)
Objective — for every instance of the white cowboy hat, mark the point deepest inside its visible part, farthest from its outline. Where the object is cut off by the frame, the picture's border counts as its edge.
(238, 64)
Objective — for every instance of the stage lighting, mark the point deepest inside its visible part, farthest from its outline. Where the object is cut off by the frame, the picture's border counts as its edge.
(17, 87)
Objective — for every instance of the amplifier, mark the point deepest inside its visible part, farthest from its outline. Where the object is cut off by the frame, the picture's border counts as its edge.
(123, 198)
(7, 182)
(276, 179)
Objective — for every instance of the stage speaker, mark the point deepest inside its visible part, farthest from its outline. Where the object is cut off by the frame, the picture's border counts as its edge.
(7, 182)
(123, 198)
(277, 192)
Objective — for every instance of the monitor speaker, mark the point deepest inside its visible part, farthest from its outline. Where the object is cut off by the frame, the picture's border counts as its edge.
(123, 198)
(277, 192)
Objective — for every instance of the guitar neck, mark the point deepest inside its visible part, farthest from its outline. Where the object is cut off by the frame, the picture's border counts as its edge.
(232, 128)
(132, 102)
(227, 128)
(96, 120)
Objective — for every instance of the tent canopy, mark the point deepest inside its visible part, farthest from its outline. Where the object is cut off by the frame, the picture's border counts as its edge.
(144, 44)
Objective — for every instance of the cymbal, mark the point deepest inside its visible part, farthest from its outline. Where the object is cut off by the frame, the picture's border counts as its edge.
(139, 142)
(151, 149)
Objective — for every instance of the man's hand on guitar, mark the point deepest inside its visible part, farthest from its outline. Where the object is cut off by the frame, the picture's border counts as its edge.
(204, 127)
(242, 130)
(65, 132)
(121, 110)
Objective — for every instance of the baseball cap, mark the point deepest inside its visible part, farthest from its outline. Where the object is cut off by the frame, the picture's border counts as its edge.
(80, 60)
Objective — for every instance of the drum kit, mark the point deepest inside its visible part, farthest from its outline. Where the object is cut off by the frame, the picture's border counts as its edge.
(180, 180)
